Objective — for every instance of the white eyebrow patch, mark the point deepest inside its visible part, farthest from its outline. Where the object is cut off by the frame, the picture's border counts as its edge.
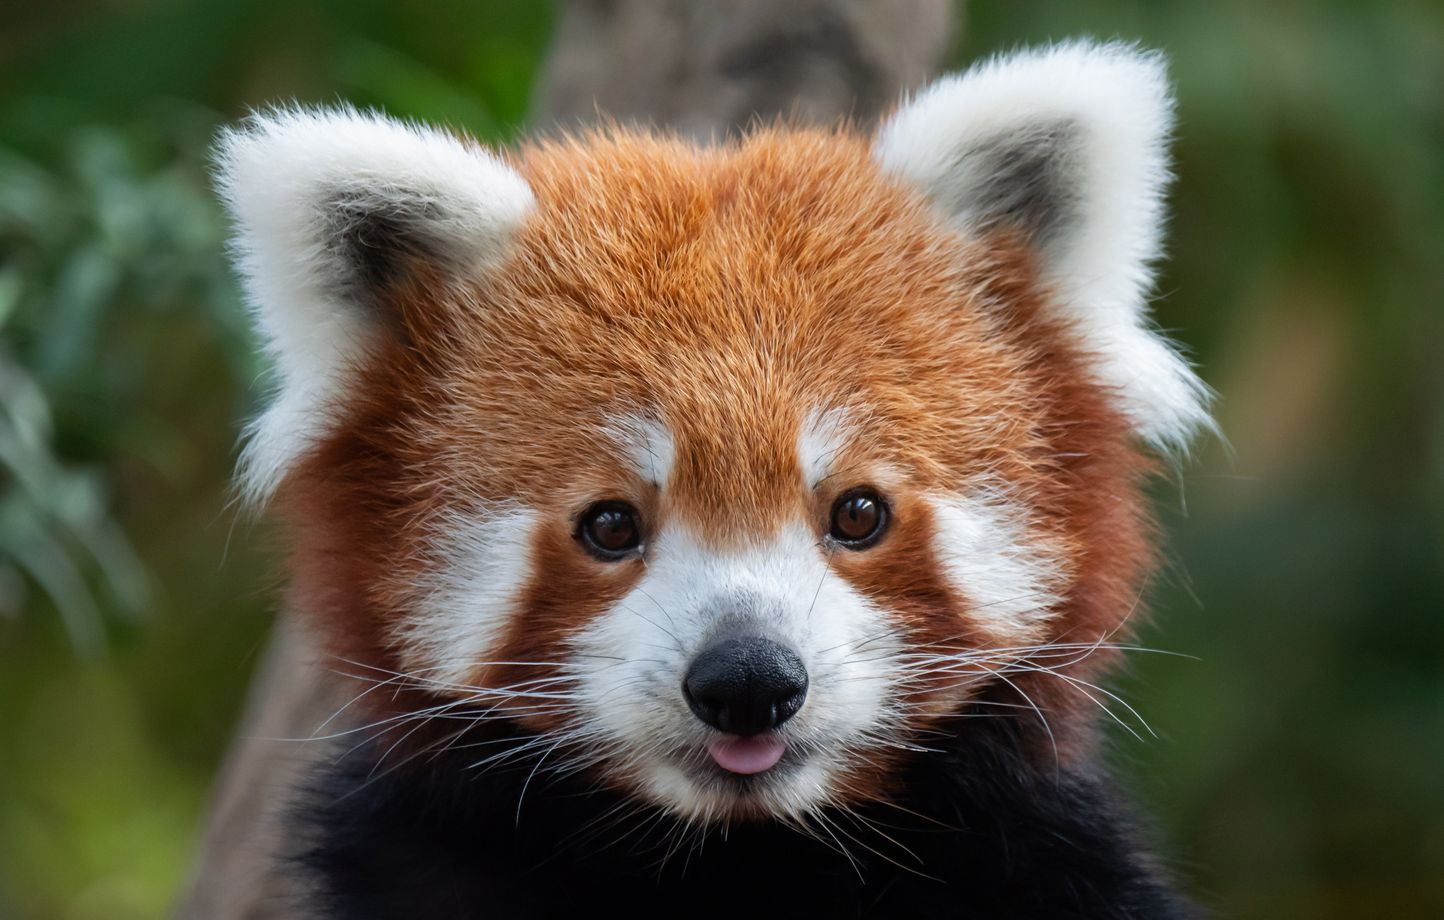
(821, 438)
(481, 563)
(1012, 576)
(649, 443)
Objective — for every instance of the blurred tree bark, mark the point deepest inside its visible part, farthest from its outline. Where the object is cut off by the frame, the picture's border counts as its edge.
(697, 66)
(708, 68)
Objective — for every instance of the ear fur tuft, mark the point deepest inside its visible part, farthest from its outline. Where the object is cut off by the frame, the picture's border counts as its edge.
(330, 206)
(1066, 146)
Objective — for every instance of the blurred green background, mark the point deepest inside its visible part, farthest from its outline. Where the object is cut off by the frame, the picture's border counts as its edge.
(1300, 768)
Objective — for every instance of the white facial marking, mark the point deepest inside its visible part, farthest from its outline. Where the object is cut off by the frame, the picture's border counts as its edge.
(1010, 574)
(822, 437)
(483, 560)
(630, 661)
(649, 443)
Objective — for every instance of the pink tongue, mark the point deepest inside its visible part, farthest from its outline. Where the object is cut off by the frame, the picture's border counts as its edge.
(747, 755)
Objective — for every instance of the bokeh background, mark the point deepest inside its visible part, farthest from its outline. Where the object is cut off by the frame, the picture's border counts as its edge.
(1299, 768)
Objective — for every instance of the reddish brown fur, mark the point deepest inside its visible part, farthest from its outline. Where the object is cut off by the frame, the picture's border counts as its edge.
(730, 292)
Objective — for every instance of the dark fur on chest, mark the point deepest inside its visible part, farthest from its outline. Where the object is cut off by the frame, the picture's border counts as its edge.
(980, 833)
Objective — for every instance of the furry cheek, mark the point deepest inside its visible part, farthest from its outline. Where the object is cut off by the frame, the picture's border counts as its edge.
(502, 590)
(1011, 575)
(480, 563)
(971, 580)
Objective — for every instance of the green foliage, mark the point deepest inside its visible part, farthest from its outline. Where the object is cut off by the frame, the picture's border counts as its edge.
(96, 232)
(114, 263)
(1299, 771)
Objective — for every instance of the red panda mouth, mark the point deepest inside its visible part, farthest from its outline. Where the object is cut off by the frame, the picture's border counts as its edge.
(749, 755)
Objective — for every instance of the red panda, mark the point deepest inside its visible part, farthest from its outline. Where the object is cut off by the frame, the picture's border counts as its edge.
(730, 528)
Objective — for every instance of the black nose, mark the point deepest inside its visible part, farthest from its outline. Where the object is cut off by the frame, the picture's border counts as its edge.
(745, 685)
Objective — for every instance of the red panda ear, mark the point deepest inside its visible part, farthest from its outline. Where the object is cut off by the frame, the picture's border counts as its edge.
(1065, 146)
(330, 207)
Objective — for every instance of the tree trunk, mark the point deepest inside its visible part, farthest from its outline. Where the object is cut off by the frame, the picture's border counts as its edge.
(701, 67)
(707, 69)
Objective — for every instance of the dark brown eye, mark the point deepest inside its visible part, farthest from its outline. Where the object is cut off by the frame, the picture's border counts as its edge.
(858, 518)
(610, 530)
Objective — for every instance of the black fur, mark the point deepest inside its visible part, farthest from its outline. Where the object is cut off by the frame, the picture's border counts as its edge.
(990, 835)
(378, 240)
(1026, 182)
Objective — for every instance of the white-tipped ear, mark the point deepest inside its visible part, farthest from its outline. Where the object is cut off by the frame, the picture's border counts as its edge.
(329, 207)
(1066, 146)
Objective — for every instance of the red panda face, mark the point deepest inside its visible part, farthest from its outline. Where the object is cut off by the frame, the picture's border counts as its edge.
(728, 472)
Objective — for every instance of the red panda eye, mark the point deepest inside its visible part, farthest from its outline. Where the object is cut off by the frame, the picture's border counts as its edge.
(610, 530)
(859, 518)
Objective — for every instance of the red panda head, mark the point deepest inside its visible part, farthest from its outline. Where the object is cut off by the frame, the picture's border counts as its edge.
(728, 471)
